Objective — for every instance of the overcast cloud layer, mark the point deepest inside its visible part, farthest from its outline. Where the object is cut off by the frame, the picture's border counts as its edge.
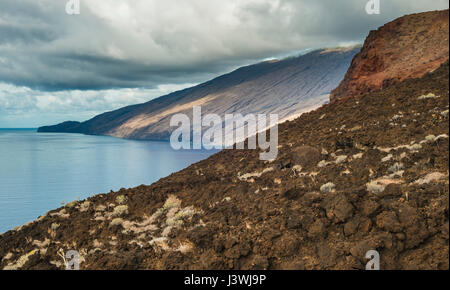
(119, 52)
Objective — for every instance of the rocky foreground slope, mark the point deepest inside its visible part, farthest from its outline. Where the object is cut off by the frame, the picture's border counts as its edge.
(364, 173)
(287, 87)
(407, 47)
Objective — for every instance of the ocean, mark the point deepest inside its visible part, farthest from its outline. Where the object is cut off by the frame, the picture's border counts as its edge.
(40, 172)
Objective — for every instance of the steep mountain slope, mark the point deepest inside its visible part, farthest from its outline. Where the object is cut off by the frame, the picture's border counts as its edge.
(407, 47)
(368, 173)
(287, 87)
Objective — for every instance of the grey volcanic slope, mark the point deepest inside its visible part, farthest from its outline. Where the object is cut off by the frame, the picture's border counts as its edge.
(288, 87)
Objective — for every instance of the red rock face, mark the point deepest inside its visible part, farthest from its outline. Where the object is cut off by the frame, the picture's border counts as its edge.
(407, 47)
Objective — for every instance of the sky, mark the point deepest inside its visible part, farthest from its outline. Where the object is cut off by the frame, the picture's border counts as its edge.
(56, 67)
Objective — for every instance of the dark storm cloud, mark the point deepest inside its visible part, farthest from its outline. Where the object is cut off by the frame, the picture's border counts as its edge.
(143, 43)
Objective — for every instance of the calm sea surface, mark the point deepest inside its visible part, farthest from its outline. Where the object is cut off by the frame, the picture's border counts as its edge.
(40, 171)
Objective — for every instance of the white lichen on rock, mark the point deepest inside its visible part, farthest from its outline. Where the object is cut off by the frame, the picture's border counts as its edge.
(248, 176)
(100, 208)
(442, 136)
(8, 256)
(412, 147)
(54, 226)
(62, 214)
(322, 164)
(160, 242)
(171, 202)
(41, 245)
(297, 168)
(340, 159)
(387, 158)
(375, 187)
(358, 156)
(185, 247)
(139, 227)
(379, 185)
(166, 231)
(120, 210)
(435, 176)
(328, 187)
(72, 204)
(396, 167)
(116, 222)
(121, 199)
(415, 147)
(430, 138)
(429, 96)
(20, 262)
(85, 206)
